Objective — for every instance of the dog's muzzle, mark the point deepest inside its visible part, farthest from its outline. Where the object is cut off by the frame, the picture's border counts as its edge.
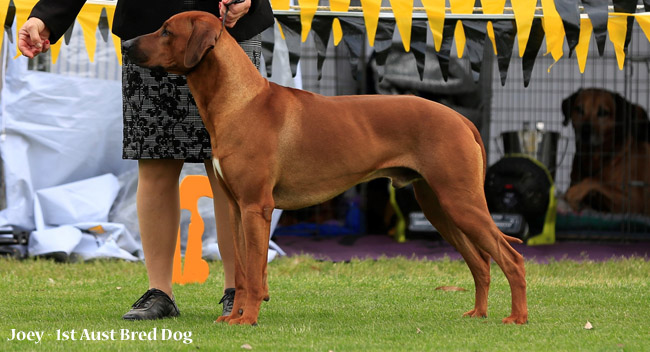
(130, 50)
(585, 132)
(127, 45)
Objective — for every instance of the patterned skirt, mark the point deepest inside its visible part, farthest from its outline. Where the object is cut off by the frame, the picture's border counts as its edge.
(161, 120)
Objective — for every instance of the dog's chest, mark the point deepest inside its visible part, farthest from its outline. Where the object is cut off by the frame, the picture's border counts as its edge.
(217, 168)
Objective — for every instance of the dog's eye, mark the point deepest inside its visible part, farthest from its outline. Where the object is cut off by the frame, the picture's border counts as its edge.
(165, 33)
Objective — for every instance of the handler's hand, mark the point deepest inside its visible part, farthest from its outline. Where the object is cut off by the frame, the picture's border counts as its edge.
(235, 11)
(33, 38)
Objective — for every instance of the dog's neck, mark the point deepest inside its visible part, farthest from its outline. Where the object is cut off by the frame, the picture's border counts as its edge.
(229, 63)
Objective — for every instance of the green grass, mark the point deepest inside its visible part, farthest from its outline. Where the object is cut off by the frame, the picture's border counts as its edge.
(383, 305)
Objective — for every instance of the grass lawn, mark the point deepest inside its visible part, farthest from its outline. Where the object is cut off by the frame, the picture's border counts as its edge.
(366, 305)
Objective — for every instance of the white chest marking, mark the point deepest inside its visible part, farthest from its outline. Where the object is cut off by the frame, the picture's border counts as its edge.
(217, 168)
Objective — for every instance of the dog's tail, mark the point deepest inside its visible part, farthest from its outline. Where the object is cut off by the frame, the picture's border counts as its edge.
(479, 141)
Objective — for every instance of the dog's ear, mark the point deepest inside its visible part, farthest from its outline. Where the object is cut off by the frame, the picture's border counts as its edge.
(640, 124)
(634, 117)
(567, 104)
(202, 39)
(624, 109)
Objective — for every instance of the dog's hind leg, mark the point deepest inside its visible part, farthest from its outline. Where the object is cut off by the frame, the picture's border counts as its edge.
(468, 210)
(457, 181)
(477, 260)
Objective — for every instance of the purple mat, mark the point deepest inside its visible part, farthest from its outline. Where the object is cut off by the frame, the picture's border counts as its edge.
(342, 248)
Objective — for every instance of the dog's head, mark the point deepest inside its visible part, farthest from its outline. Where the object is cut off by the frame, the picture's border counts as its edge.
(599, 116)
(179, 45)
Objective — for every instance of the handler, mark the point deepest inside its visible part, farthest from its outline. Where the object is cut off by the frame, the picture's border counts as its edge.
(162, 129)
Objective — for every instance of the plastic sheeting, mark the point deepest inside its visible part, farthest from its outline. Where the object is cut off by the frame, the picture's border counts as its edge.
(55, 130)
(57, 135)
(72, 219)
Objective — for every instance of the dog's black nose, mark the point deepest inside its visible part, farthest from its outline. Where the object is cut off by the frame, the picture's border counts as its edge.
(126, 45)
(585, 132)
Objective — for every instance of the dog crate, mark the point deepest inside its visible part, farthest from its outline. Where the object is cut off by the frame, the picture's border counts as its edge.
(616, 137)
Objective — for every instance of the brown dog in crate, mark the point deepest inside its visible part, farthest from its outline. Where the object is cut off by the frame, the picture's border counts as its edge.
(611, 165)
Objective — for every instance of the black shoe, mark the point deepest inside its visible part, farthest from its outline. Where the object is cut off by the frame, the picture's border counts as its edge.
(228, 299)
(154, 304)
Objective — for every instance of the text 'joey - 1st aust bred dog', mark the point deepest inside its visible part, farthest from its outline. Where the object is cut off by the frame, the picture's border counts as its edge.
(277, 147)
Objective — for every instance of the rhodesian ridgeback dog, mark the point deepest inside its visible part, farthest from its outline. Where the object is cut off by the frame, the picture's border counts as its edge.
(611, 167)
(277, 147)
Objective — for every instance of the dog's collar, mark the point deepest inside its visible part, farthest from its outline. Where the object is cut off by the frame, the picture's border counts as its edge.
(223, 24)
(225, 15)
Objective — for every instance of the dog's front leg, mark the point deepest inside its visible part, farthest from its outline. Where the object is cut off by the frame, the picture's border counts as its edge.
(596, 195)
(256, 223)
(576, 193)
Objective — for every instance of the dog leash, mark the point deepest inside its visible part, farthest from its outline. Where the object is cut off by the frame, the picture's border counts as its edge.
(225, 14)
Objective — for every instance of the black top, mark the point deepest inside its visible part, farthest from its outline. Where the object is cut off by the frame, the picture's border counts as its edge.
(138, 17)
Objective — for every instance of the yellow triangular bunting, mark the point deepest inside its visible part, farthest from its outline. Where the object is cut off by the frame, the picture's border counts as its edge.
(643, 19)
(617, 29)
(554, 29)
(337, 31)
(281, 4)
(307, 11)
(460, 7)
(371, 17)
(492, 7)
(403, 11)
(582, 49)
(88, 18)
(490, 33)
(55, 49)
(459, 38)
(524, 11)
(436, 14)
(338, 6)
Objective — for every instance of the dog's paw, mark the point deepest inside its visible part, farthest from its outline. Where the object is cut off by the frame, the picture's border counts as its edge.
(516, 319)
(221, 319)
(574, 197)
(576, 194)
(476, 313)
(243, 321)
(228, 318)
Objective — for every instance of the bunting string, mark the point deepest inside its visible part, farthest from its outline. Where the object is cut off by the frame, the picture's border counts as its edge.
(554, 22)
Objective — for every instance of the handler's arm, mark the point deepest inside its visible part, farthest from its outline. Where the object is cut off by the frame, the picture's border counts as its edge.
(33, 38)
(47, 22)
(58, 15)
